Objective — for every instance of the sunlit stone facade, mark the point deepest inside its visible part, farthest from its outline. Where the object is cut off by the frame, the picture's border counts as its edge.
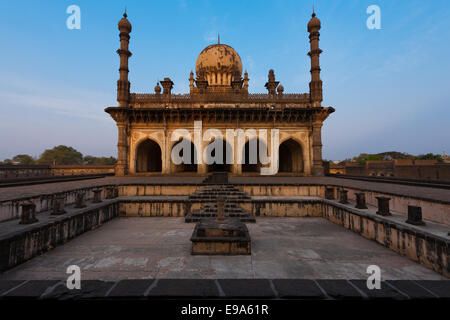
(219, 99)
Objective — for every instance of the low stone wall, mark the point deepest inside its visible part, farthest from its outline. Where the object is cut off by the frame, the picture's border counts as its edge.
(8, 171)
(33, 171)
(425, 248)
(284, 190)
(155, 208)
(64, 170)
(431, 210)
(439, 171)
(158, 190)
(419, 169)
(176, 207)
(11, 209)
(284, 207)
(41, 237)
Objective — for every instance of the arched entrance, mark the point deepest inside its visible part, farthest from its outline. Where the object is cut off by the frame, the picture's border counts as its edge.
(290, 157)
(251, 162)
(148, 157)
(220, 165)
(186, 167)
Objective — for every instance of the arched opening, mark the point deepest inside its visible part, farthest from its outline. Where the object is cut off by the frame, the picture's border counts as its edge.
(290, 157)
(186, 167)
(148, 157)
(220, 165)
(251, 161)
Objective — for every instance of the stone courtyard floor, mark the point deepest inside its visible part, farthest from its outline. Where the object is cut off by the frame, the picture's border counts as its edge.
(139, 248)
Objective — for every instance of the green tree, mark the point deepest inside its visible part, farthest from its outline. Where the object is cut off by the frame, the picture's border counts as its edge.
(430, 156)
(7, 161)
(23, 159)
(61, 155)
(99, 160)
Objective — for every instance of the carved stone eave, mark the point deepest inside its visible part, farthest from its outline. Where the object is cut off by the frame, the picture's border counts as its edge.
(219, 114)
(119, 114)
(321, 114)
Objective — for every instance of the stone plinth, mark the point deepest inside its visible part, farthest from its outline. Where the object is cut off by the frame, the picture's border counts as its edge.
(383, 206)
(343, 196)
(360, 200)
(227, 237)
(97, 195)
(415, 216)
(58, 205)
(79, 200)
(28, 213)
(329, 193)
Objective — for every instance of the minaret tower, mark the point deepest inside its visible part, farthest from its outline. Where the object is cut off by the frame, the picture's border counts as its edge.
(123, 85)
(315, 86)
(123, 97)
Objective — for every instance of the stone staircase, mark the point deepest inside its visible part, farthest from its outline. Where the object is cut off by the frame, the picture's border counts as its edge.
(208, 197)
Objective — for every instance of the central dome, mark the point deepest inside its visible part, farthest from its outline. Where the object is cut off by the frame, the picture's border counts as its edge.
(219, 63)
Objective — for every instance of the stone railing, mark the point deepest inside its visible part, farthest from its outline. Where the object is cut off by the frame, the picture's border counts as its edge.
(142, 98)
(20, 171)
(11, 209)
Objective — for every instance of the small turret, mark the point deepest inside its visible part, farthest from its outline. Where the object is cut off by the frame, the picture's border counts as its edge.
(271, 84)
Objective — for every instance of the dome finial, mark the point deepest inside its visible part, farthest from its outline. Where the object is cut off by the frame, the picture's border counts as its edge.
(313, 14)
(218, 38)
(125, 13)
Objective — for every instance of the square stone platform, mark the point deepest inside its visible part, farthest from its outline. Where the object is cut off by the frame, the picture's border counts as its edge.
(227, 237)
(159, 248)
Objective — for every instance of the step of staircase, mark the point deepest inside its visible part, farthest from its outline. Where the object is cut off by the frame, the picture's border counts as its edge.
(209, 194)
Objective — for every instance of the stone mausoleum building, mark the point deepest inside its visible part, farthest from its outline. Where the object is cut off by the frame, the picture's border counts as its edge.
(220, 99)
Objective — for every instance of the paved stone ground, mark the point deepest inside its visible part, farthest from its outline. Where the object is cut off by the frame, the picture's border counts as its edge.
(420, 192)
(140, 248)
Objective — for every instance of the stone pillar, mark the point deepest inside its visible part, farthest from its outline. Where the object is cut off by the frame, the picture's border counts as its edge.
(187, 208)
(28, 213)
(360, 200)
(220, 205)
(415, 216)
(110, 192)
(329, 193)
(58, 205)
(383, 206)
(317, 169)
(166, 155)
(79, 200)
(237, 169)
(122, 150)
(343, 196)
(97, 195)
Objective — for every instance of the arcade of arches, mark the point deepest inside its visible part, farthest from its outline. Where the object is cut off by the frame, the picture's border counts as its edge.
(149, 158)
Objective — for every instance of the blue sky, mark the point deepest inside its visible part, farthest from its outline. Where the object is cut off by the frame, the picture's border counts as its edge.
(389, 87)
